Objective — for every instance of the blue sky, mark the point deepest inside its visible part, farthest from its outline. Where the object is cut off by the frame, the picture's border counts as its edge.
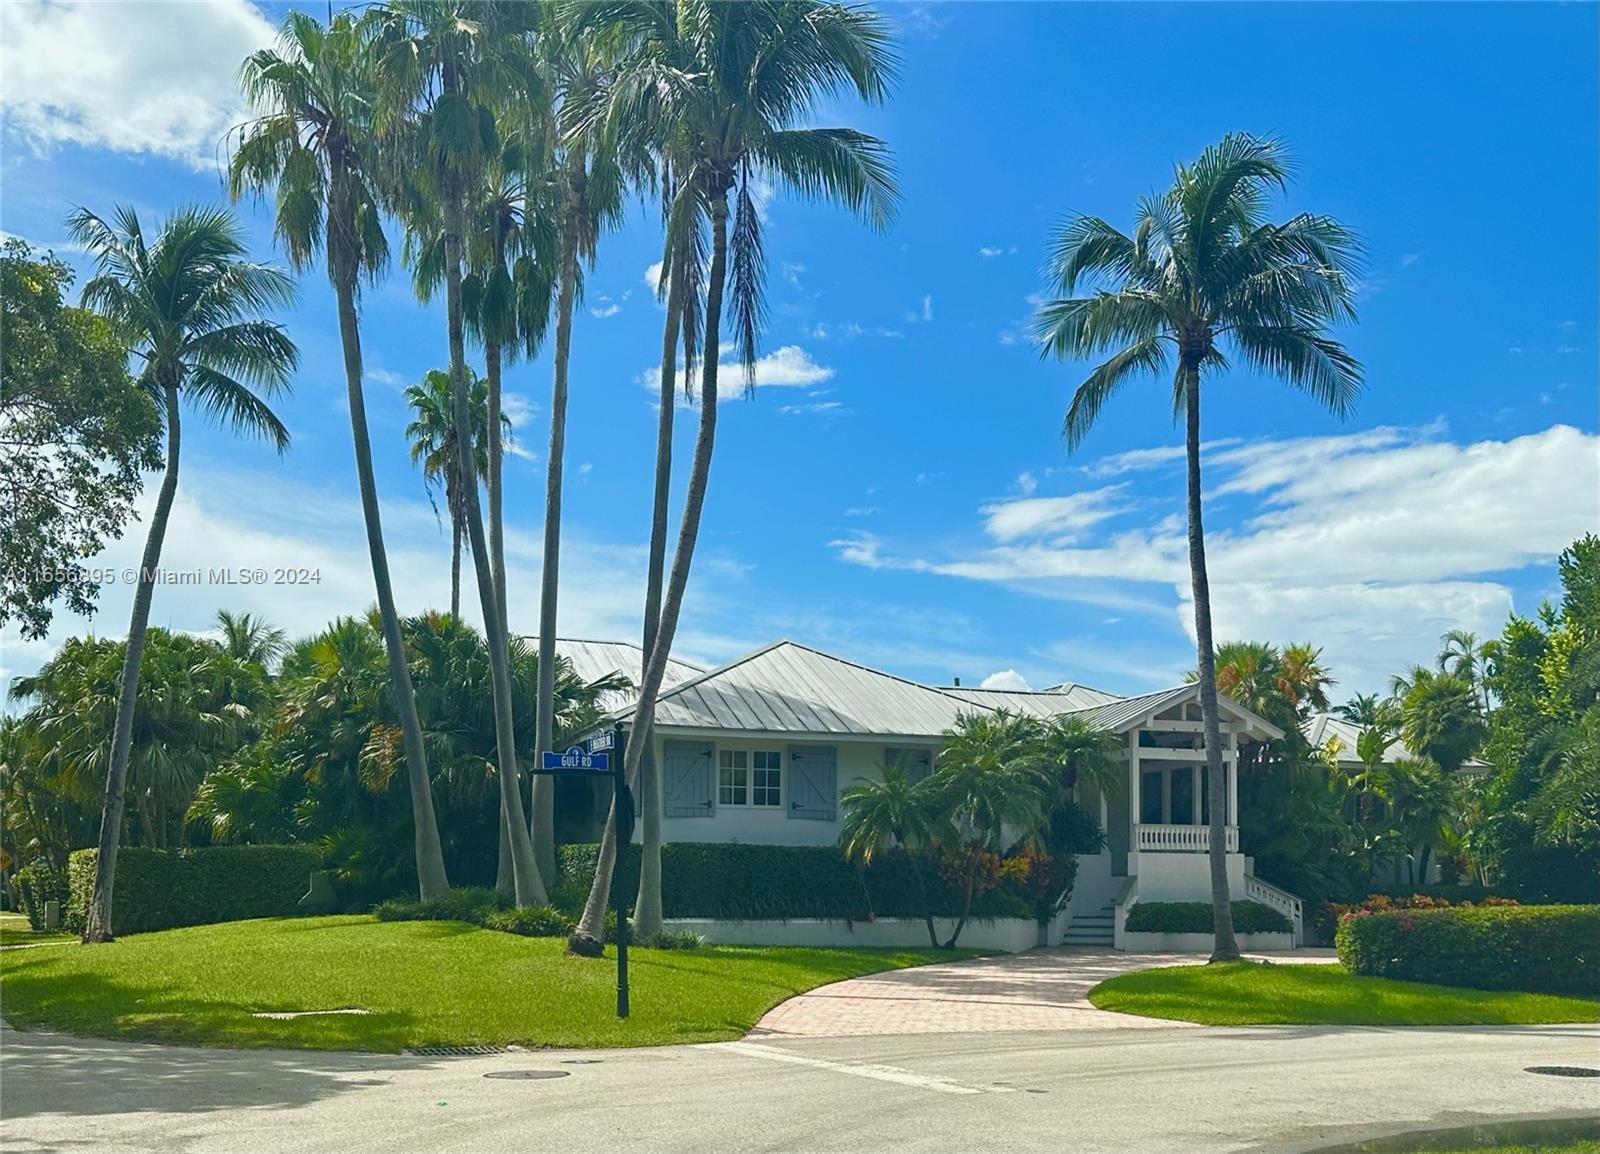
(897, 491)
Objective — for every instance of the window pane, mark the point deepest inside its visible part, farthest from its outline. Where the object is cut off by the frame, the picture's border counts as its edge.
(767, 786)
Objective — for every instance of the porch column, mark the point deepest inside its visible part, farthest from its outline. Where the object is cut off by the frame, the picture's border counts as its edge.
(1194, 795)
(1135, 809)
(1166, 795)
(1231, 768)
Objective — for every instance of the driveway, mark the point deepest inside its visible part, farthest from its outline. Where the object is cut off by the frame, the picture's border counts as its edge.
(1038, 990)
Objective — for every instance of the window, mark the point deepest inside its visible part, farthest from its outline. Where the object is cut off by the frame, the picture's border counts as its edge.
(747, 777)
(917, 763)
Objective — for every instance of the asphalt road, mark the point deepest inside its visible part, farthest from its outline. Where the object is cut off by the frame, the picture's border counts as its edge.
(1193, 1090)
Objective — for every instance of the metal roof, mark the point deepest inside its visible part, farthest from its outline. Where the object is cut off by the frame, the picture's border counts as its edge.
(1319, 728)
(1040, 703)
(791, 688)
(593, 660)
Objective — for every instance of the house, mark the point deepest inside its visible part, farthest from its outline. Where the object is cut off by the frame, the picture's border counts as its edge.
(758, 750)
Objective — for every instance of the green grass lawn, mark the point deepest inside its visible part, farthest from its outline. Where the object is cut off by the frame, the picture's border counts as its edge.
(1250, 993)
(15, 930)
(426, 983)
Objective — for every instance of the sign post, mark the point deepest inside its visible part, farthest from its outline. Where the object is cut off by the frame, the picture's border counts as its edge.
(603, 754)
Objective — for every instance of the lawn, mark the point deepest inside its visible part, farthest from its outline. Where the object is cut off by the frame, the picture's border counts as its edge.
(1250, 993)
(426, 983)
(15, 930)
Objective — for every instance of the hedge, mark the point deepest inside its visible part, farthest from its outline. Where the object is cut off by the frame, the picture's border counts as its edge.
(1196, 918)
(781, 882)
(159, 889)
(1545, 949)
(36, 884)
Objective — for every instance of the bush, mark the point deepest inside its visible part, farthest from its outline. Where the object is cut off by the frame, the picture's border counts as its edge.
(670, 940)
(160, 889)
(36, 884)
(779, 882)
(1544, 949)
(530, 922)
(1196, 918)
(468, 904)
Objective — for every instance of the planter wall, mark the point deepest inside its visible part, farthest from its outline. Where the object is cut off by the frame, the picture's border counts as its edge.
(1007, 935)
(1199, 943)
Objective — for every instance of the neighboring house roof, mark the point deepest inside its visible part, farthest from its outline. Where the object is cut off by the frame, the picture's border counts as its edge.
(594, 660)
(791, 688)
(1320, 728)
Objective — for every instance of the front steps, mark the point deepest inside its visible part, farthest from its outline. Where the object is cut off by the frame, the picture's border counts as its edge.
(1096, 928)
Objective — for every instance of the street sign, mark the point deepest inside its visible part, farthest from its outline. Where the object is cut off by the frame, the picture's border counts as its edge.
(602, 742)
(575, 760)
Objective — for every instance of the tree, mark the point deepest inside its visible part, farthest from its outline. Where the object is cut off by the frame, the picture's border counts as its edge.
(312, 143)
(443, 64)
(188, 304)
(755, 71)
(1440, 717)
(432, 433)
(892, 811)
(251, 639)
(1205, 270)
(993, 781)
(76, 434)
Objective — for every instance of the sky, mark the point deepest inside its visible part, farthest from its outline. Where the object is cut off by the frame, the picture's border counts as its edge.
(896, 490)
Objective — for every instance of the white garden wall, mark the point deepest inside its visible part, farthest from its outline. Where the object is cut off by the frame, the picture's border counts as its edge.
(1007, 935)
(1199, 943)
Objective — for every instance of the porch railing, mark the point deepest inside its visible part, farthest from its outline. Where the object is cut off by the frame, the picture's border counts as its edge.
(1281, 900)
(1181, 838)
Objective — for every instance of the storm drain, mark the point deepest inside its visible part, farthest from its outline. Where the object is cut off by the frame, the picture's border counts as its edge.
(1565, 1071)
(527, 1075)
(460, 1051)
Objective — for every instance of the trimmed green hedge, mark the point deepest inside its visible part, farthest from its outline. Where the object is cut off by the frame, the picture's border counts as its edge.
(161, 889)
(1196, 918)
(780, 882)
(1544, 949)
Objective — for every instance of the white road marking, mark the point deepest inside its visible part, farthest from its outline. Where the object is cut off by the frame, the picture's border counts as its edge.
(894, 1074)
(289, 1015)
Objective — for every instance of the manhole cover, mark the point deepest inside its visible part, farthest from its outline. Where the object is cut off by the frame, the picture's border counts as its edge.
(528, 1075)
(457, 1051)
(1565, 1071)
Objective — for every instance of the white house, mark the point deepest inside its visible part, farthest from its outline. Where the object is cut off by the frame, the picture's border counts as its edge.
(759, 749)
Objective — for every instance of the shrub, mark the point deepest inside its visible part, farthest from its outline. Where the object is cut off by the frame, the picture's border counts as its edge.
(468, 904)
(672, 940)
(36, 884)
(530, 921)
(159, 889)
(1196, 918)
(1545, 949)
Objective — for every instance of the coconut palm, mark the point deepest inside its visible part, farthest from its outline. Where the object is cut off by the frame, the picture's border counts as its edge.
(443, 67)
(432, 433)
(892, 811)
(1204, 271)
(189, 304)
(251, 639)
(311, 143)
(1440, 716)
(721, 90)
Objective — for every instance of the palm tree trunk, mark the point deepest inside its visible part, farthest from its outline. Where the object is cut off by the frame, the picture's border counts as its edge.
(147, 829)
(544, 786)
(505, 879)
(432, 881)
(966, 904)
(587, 937)
(1225, 948)
(647, 910)
(527, 884)
(97, 921)
(455, 567)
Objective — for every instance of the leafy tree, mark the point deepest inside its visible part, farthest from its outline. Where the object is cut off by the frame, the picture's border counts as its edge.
(189, 304)
(251, 639)
(754, 75)
(893, 811)
(1441, 717)
(75, 435)
(312, 144)
(1205, 270)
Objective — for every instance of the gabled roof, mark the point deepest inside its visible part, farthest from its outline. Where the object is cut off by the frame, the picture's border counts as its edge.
(1041, 703)
(1320, 728)
(1121, 716)
(595, 660)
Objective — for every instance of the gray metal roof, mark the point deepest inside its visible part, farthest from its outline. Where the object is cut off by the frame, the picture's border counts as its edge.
(1118, 716)
(593, 660)
(1040, 703)
(1319, 728)
(790, 688)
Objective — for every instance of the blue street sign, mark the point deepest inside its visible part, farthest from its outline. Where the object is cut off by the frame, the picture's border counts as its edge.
(575, 760)
(602, 742)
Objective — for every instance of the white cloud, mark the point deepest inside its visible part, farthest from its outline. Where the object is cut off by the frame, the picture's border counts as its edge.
(152, 78)
(386, 378)
(811, 407)
(605, 310)
(788, 366)
(1410, 258)
(1027, 484)
(1005, 679)
(792, 272)
(988, 252)
(1369, 544)
(1139, 460)
(520, 410)
(922, 315)
(863, 510)
(652, 276)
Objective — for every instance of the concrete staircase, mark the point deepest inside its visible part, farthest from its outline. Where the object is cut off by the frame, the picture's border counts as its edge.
(1095, 928)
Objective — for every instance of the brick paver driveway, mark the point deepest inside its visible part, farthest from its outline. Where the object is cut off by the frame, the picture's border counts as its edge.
(1043, 989)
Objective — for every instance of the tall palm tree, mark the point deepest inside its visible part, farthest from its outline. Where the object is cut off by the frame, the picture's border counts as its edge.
(443, 65)
(189, 304)
(252, 639)
(721, 90)
(432, 433)
(1440, 717)
(1204, 271)
(311, 142)
(892, 811)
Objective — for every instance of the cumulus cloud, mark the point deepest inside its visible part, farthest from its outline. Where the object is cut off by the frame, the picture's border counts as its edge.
(144, 78)
(785, 367)
(1005, 679)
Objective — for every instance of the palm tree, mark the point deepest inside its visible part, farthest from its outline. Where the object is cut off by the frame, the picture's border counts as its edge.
(719, 89)
(312, 143)
(1461, 653)
(189, 305)
(443, 64)
(1441, 717)
(1083, 755)
(1203, 270)
(252, 639)
(893, 811)
(432, 433)
(1365, 709)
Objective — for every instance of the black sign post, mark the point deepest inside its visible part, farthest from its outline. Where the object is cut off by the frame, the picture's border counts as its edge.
(603, 754)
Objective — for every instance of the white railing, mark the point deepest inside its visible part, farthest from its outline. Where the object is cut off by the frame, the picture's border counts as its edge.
(1281, 900)
(1181, 838)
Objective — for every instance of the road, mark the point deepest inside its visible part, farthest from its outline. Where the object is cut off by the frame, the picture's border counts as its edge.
(1195, 1089)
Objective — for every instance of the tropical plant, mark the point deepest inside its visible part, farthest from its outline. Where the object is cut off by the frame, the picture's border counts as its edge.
(1205, 269)
(76, 435)
(892, 811)
(312, 143)
(720, 91)
(188, 304)
(251, 639)
(1440, 716)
